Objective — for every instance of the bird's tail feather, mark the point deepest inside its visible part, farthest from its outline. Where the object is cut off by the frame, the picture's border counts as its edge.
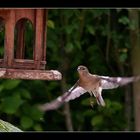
(100, 100)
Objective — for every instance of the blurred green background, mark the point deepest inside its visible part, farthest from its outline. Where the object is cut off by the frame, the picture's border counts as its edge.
(104, 40)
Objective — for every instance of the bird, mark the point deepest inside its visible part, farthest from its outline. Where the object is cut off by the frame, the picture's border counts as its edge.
(88, 83)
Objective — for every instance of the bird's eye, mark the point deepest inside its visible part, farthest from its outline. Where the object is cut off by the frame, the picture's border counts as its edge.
(82, 68)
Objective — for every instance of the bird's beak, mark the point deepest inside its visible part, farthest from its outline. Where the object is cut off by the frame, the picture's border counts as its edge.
(78, 68)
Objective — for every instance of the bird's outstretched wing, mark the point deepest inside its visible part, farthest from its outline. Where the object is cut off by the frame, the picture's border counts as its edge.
(114, 82)
(78, 91)
(67, 96)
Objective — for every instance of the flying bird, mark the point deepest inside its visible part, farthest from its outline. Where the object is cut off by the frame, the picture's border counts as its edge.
(91, 83)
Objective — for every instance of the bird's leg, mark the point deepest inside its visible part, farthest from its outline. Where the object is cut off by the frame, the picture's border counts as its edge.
(91, 99)
(75, 85)
(99, 99)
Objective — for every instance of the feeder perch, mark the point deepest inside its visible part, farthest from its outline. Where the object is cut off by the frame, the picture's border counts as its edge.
(14, 64)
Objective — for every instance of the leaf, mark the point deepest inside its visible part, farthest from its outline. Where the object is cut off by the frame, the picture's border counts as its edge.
(97, 120)
(91, 29)
(11, 84)
(10, 104)
(124, 20)
(86, 102)
(33, 112)
(25, 93)
(69, 47)
(69, 29)
(26, 122)
(2, 50)
(7, 127)
(88, 112)
(123, 57)
(38, 127)
(50, 24)
(1, 87)
(36, 114)
(78, 45)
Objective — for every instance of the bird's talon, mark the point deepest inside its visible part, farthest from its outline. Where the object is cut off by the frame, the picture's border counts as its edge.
(92, 104)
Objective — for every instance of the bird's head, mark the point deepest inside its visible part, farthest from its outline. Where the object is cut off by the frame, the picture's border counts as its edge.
(82, 69)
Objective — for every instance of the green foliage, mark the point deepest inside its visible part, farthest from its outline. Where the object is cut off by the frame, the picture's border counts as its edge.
(97, 120)
(10, 104)
(16, 102)
(10, 84)
(29, 40)
(26, 122)
(124, 20)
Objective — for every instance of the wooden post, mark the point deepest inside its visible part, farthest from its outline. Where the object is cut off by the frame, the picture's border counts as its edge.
(45, 16)
(9, 39)
(38, 38)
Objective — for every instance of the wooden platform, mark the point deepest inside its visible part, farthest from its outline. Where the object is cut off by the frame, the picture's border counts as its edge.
(30, 74)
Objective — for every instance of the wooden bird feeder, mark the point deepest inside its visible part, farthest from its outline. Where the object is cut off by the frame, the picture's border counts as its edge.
(14, 64)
